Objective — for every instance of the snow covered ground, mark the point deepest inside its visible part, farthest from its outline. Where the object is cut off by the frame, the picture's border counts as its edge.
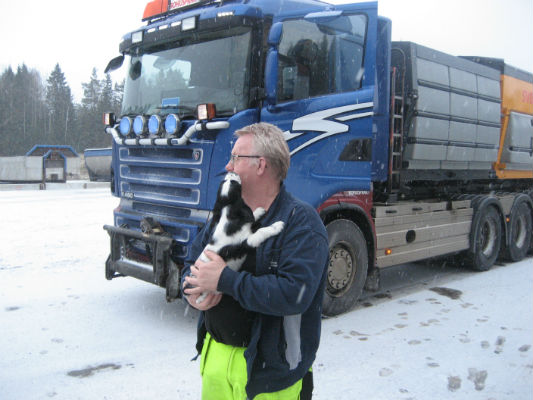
(67, 333)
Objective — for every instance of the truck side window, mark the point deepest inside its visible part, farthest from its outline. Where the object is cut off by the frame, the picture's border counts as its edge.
(317, 58)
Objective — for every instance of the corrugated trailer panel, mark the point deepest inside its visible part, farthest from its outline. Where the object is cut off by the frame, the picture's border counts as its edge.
(452, 111)
(515, 157)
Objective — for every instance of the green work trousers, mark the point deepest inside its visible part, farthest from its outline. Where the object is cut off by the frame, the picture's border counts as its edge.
(223, 370)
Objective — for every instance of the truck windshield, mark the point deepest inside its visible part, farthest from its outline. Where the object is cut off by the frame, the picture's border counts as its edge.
(176, 77)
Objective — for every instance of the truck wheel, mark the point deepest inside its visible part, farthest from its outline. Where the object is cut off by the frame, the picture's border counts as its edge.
(348, 265)
(519, 232)
(486, 242)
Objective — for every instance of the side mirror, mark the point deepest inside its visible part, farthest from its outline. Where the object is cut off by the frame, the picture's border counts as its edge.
(135, 70)
(114, 64)
(274, 36)
(271, 67)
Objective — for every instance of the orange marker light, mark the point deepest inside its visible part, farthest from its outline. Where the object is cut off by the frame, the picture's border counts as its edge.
(155, 7)
(109, 119)
(206, 111)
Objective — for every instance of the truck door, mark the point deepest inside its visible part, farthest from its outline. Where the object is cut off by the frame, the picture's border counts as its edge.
(320, 83)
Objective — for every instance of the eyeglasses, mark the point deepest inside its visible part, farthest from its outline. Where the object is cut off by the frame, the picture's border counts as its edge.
(235, 157)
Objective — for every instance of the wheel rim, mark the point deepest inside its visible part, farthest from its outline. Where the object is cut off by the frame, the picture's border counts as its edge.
(341, 270)
(519, 236)
(488, 237)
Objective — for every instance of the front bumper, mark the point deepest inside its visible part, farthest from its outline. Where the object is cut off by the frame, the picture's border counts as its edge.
(154, 264)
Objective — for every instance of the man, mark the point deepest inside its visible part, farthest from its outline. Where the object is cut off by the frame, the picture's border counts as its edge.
(258, 337)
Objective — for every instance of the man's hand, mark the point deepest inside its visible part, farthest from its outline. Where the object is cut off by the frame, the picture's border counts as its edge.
(204, 278)
(210, 301)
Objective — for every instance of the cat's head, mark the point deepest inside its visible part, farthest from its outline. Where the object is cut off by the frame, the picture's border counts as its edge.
(231, 186)
(232, 176)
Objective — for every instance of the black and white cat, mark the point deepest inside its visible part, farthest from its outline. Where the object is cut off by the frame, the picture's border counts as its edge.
(236, 229)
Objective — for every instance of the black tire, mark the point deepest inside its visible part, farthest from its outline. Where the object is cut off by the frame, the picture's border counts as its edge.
(519, 232)
(486, 239)
(348, 266)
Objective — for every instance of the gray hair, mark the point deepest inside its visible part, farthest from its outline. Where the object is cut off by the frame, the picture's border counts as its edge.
(269, 142)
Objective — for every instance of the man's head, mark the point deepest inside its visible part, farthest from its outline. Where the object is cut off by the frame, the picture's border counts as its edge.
(267, 142)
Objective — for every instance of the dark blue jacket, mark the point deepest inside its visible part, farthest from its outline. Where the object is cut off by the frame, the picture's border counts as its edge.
(286, 292)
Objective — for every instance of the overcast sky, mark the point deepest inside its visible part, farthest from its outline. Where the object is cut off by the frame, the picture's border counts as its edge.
(83, 35)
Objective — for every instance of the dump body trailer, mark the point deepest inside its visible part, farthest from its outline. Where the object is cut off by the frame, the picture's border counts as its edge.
(452, 115)
(516, 141)
(98, 164)
(407, 153)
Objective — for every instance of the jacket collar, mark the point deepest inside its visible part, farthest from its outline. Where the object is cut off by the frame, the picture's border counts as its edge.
(276, 205)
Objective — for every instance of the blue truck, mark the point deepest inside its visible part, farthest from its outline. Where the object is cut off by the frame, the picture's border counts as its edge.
(406, 152)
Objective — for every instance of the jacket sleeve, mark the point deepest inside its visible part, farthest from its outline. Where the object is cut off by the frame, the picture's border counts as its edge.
(291, 286)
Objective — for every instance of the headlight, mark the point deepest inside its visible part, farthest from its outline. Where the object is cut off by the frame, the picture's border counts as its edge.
(139, 124)
(172, 123)
(125, 126)
(154, 124)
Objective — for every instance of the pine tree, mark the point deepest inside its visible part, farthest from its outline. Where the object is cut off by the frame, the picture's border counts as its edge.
(60, 107)
(118, 94)
(7, 112)
(91, 93)
(22, 110)
(105, 103)
(36, 112)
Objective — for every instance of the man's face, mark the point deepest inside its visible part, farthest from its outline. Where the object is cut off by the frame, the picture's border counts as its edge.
(245, 167)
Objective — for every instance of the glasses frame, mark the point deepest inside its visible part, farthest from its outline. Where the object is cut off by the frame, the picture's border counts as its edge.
(235, 157)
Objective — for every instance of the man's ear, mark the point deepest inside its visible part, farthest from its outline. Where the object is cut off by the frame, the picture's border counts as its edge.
(262, 166)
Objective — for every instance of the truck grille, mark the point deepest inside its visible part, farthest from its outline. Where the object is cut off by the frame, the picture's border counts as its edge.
(168, 176)
(167, 184)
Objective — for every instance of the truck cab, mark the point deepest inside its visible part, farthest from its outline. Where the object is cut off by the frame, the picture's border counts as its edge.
(199, 70)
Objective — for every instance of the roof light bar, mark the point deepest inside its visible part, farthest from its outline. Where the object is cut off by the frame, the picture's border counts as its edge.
(226, 14)
(188, 24)
(137, 37)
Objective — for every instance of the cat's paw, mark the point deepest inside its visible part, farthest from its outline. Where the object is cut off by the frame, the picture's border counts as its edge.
(203, 257)
(278, 226)
(259, 212)
(201, 297)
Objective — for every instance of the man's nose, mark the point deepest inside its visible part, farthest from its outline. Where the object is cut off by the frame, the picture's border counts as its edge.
(229, 166)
